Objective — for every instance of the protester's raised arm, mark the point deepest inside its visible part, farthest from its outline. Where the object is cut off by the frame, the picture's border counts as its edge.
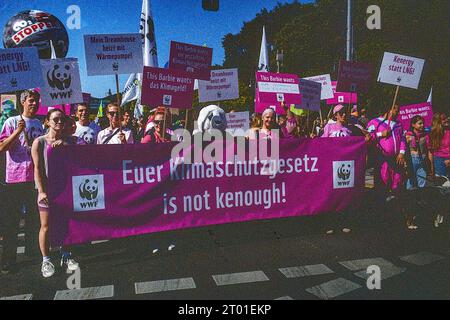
(8, 140)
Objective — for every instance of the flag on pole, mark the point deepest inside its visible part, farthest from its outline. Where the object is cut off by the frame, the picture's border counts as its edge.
(263, 64)
(133, 86)
(430, 97)
(100, 110)
(52, 48)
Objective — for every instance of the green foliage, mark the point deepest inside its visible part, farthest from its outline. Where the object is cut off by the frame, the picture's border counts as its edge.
(313, 37)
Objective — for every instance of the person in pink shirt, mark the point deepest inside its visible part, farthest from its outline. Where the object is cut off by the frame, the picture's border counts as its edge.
(440, 145)
(16, 138)
(388, 137)
(338, 127)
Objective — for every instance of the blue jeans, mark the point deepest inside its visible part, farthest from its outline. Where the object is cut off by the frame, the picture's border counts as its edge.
(440, 168)
(418, 174)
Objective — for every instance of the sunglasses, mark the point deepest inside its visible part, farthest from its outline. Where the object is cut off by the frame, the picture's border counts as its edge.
(59, 120)
(83, 110)
(113, 114)
(341, 113)
(158, 122)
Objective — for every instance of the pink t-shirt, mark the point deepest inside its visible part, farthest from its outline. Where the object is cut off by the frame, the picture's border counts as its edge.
(336, 130)
(19, 165)
(444, 150)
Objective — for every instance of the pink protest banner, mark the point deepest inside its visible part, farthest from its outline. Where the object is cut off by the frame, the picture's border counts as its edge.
(342, 97)
(274, 88)
(422, 109)
(190, 58)
(354, 76)
(143, 190)
(167, 87)
(261, 106)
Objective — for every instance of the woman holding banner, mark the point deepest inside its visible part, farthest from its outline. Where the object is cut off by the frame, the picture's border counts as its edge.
(54, 138)
(418, 156)
(155, 127)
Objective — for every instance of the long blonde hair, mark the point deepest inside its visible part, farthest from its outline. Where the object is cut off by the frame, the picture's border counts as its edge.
(437, 132)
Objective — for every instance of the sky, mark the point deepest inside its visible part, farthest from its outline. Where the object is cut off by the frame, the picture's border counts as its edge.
(177, 20)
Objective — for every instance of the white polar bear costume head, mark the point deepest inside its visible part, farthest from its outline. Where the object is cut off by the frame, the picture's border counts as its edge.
(211, 117)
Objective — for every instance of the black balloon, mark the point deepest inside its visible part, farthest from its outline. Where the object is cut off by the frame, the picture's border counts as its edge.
(36, 28)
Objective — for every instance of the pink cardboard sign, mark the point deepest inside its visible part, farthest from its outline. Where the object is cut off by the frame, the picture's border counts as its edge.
(354, 76)
(342, 97)
(193, 59)
(274, 88)
(406, 113)
(167, 87)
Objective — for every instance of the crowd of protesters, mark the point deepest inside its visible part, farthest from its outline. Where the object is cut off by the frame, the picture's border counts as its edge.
(405, 158)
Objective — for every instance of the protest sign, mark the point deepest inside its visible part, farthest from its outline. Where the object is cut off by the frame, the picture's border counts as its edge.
(167, 87)
(143, 190)
(275, 88)
(20, 69)
(8, 102)
(223, 85)
(238, 123)
(311, 92)
(191, 58)
(424, 110)
(342, 97)
(109, 54)
(354, 76)
(62, 83)
(399, 70)
(327, 88)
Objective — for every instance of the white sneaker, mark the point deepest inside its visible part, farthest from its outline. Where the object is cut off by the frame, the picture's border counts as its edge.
(440, 219)
(330, 232)
(70, 264)
(155, 250)
(47, 269)
(346, 230)
(171, 247)
(390, 198)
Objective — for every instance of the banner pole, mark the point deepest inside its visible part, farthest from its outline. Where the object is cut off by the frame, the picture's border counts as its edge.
(186, 119)
(118, 102)
(164, 123)
(393, 105)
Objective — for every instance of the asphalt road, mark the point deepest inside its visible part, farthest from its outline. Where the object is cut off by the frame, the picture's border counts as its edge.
(290, 259)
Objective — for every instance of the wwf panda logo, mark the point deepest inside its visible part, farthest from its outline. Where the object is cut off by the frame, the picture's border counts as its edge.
(344, 172)
(89, 189)
(59, 77)
(88, 137)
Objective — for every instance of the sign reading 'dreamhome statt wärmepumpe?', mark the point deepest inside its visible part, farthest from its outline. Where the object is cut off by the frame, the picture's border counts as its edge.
(20, 69)
(223, 85)
(108, 54)
(401, 70)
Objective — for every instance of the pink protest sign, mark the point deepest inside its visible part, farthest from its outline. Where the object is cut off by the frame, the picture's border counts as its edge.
(422, 109)
(342, 97)
(274, 88)
(192, 59)
(143, 190)
(167, 87)
(354, 76)
(261, 106)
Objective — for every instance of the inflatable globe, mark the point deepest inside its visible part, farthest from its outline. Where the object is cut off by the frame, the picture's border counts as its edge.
(36, 28)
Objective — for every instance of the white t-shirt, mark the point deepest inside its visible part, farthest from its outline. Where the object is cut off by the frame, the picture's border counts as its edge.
(104, 134)
(87, 133)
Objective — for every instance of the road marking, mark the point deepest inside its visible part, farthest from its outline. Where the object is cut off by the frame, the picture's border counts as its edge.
(99, 241)
(86, 293)
(19, 297)
(164, 285)
(421, 258)
(333, 289)
(20, 250)
(304, 271)
(356, 265)
(237, 278)
(284, 298)
(387, 271)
